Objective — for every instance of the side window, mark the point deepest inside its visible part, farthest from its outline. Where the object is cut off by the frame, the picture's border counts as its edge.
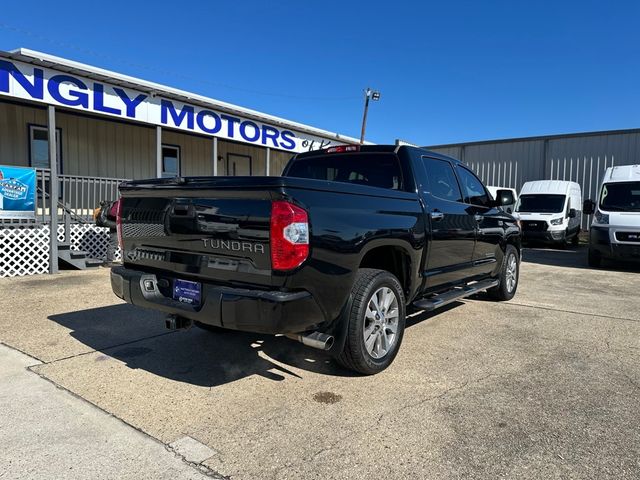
(170, 161)
(474, 191)
(442, 179)
(39, 147)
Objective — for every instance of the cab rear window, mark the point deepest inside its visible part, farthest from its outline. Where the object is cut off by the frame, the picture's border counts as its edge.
(380, 170)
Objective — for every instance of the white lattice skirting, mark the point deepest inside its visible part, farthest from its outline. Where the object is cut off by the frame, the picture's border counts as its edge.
(89, 238)
(24, 250)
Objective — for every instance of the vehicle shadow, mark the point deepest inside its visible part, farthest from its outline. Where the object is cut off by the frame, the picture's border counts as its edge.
(572, 257)
(137, 338)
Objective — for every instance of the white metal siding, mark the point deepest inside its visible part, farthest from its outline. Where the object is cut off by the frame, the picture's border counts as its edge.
(579, 158)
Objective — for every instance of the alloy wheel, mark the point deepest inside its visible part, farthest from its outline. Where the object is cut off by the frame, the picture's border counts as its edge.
(381, 322)
(512, 272)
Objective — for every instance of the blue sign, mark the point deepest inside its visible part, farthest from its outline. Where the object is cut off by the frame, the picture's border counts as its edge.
(17, 192)
(187, 292)
(30, 82)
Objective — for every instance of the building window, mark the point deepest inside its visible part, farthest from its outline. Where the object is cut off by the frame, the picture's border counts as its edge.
(39, 147)
(170, 161)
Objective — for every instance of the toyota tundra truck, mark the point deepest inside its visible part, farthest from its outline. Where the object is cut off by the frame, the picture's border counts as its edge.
(332, 253)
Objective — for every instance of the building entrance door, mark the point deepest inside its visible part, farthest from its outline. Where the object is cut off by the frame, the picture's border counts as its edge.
(238, 165)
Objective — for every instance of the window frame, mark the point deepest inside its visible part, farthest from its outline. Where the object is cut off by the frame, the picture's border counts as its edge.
(467, 199)
(31, 127)
(179, 150)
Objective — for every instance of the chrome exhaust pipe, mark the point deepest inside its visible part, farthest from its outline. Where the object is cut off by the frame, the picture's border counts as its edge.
(318, 340)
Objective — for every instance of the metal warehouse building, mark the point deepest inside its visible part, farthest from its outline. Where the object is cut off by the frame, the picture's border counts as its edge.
(108, 128)
(580, 157)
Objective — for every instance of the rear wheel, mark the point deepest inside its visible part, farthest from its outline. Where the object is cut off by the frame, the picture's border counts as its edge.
(595, 259)
(376, 322)
(509, 276)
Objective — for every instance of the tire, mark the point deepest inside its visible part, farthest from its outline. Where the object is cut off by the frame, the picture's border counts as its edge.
(509, 276)
(594, 259)
(575, 241)
(564, 243)
(210, 328)
(371, 357)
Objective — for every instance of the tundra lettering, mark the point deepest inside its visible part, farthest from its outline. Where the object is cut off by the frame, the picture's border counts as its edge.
(232, 245)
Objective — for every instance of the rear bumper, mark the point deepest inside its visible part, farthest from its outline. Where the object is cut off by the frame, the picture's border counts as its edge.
(234, 308)
(600, 241)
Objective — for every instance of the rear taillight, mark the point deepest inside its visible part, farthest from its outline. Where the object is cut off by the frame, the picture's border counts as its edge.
(118, 206)
(289, 235)
(344, 148)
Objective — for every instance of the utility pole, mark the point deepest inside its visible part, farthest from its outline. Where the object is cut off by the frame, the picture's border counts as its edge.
(368, 95)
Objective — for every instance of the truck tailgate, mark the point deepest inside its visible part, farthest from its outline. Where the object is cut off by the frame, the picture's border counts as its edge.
(219, 235)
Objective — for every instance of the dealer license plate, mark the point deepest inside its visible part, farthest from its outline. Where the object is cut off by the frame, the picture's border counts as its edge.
(187, 292)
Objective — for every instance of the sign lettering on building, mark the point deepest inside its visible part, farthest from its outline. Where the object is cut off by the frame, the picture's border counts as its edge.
(21, 80)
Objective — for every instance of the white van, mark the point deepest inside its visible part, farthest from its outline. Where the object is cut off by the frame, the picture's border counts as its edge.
(550, 210)
(507, 208)
(615, 229)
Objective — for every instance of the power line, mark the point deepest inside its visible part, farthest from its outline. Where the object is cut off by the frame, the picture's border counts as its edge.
(163, 71)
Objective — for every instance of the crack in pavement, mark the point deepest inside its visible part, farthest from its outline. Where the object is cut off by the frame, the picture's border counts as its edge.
(40, 362)
(402, 408)
(539, 307)
(200, 467)
(446, 392)
(101, 349)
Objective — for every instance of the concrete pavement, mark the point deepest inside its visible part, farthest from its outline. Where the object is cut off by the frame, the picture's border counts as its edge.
(47, 433)
(544, 386)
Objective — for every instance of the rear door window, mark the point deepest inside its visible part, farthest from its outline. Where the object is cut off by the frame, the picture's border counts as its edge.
(373, 169)
(442, 180)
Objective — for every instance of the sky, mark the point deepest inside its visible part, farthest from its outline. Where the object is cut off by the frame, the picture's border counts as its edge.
(448, 72)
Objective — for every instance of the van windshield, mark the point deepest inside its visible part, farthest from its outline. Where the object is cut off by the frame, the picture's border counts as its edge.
(541, 203)
(620, 197)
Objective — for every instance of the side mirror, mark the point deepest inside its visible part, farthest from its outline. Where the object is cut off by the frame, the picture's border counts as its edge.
(573, 213)
(504, 197)
(588, 207)
(509, 210)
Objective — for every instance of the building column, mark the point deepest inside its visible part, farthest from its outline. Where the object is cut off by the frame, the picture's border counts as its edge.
(267, 166)
(215, 156)
(53, 191)
(158, 151)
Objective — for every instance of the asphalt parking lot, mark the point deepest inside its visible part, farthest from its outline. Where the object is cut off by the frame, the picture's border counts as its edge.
(544, 386)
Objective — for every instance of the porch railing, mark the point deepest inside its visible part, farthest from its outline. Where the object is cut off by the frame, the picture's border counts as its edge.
(78, 197)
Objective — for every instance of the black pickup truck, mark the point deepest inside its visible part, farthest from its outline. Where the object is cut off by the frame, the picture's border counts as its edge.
(331, 253)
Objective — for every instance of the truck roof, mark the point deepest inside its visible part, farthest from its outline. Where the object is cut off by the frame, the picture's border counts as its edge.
(375, 149)
(622, 173)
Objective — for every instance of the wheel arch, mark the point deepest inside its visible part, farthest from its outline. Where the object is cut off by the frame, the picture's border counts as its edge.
(395, 258)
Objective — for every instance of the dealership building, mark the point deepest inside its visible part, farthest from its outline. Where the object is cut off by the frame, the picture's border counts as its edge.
(110, 127)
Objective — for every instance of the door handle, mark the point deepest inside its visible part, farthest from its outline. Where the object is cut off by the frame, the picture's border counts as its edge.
(437, 216)
(478, 217)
